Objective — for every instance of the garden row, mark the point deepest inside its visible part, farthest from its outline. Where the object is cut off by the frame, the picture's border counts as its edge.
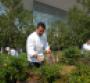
(73, 67)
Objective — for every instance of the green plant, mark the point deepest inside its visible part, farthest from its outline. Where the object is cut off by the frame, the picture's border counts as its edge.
(86, 54)
(16, 24)
(13, 68)
(50, 72)
(82, 75)
(71, 55)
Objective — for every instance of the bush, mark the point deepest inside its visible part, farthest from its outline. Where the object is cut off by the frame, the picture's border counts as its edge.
(13, 68)
(82, 75)
(50, 72)
(86, 54)
(71, 55)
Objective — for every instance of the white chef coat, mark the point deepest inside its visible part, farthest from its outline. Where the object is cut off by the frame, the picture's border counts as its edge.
(13, 52)
(86, 47)
(36, 45)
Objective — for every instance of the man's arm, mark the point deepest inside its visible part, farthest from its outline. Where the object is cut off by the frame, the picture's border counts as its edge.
(30, 46)
(47, 48)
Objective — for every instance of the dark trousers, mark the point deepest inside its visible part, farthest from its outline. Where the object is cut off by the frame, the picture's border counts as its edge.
(36, 64)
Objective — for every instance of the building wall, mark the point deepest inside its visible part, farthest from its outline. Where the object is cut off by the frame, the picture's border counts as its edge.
(62, 4)
(47, 13)
(28, 4)
(49, 10)
(41, 7)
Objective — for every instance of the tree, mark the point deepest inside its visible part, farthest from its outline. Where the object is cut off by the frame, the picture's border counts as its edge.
(75, 31)
(79, 23)
(57, 35)
(15, 24)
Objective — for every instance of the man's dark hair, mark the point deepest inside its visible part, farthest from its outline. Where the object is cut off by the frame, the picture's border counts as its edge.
(41, 24)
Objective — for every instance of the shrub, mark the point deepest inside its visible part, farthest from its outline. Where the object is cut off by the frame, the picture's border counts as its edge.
(71, 55)
(50, 72)
(86, 54)
(82, 75)
(13, 68)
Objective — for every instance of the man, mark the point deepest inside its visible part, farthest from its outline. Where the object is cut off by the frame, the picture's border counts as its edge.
(36, 45)
(86, 46)
(13, 52)
(7, 49)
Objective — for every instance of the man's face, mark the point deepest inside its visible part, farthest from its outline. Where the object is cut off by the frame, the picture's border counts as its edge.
(88, 41)
(40, 31)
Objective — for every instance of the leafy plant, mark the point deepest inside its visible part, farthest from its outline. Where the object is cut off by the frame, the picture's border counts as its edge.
(82, 75)
(50, 72)
(71, 55)
(13, 68)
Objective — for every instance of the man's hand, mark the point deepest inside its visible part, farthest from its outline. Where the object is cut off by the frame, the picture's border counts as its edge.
(40, 58)
(48, 51)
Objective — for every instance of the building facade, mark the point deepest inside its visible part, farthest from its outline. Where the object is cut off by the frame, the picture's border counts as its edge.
(49, 11)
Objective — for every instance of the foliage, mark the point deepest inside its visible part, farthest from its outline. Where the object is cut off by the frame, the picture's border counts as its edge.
(15, 25)
(86, 54)
(82, 75)
(72, 52)
(57, 35)
(74, 31)
(17, 68)
(71, 55)
(13, 68)
(78, 22)
(51, 72)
